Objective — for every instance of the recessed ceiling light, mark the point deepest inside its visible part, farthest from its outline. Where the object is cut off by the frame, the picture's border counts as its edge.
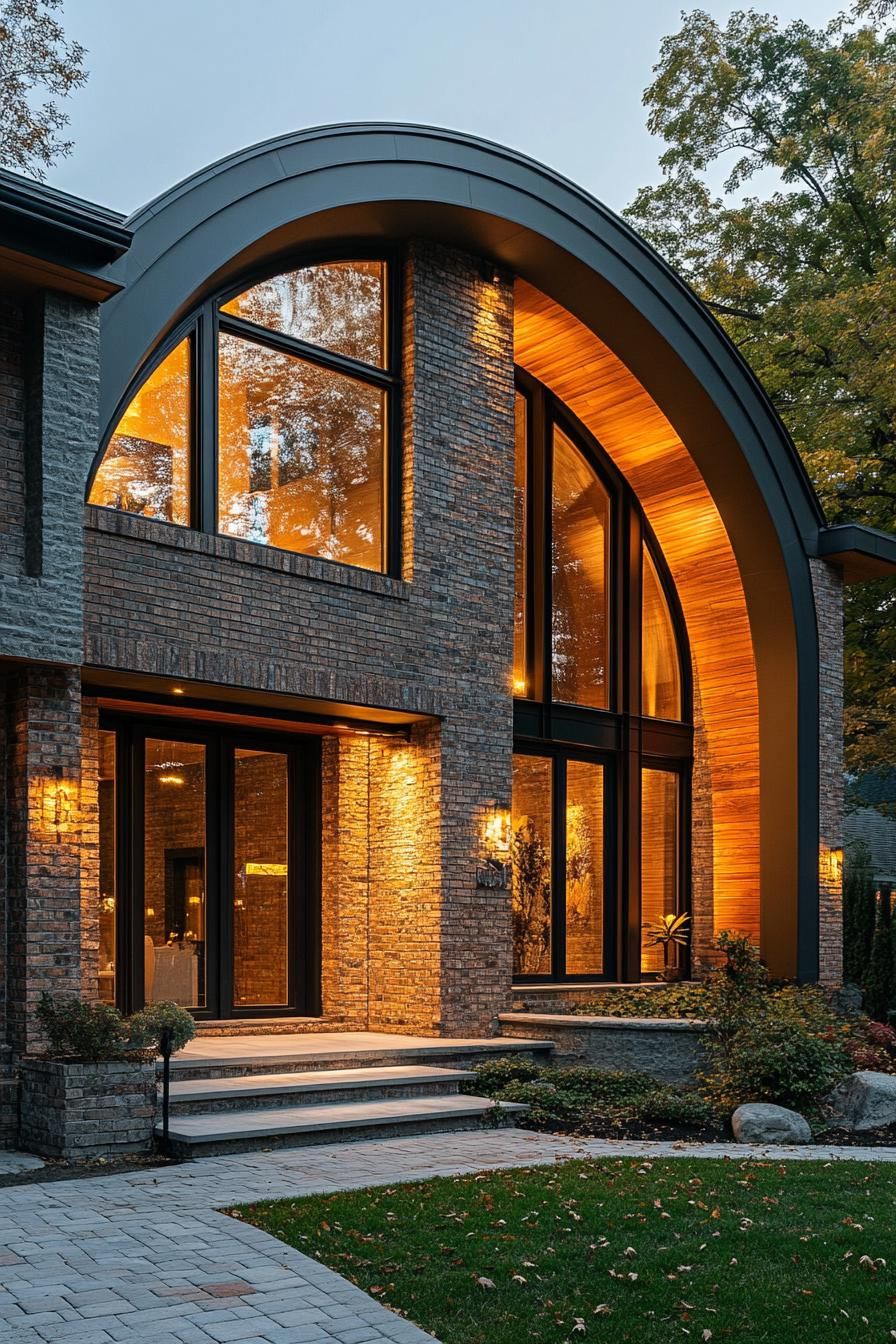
(177, 690)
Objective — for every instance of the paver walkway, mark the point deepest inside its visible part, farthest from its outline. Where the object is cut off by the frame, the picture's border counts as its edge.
(147, 1256)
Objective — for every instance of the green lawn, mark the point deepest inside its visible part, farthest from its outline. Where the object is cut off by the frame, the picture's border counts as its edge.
(619, 1250)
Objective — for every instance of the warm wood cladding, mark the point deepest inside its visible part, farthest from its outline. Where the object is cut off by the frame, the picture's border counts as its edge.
(562, 353)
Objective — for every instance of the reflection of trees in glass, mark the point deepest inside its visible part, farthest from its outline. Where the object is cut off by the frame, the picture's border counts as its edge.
(531, 905)
(339, 306)
(301, 455)
(146, 467)
(579, 864)
(580, 526)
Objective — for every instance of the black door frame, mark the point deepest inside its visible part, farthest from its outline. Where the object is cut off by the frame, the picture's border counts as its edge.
(559, 755)
(304, 838)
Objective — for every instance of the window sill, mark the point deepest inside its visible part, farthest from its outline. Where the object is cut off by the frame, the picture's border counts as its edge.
(178, 538)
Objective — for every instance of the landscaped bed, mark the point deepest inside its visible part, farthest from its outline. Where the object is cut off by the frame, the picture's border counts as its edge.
(647, 1251)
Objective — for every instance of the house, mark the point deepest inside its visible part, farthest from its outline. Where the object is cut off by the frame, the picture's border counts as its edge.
(407, 591)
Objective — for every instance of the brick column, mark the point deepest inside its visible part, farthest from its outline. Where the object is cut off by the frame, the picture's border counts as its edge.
(43, 773)
(827, 586)
(459, 532)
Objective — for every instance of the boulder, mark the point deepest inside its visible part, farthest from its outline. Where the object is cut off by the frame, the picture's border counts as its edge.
(865, 1100)
(759, 1122)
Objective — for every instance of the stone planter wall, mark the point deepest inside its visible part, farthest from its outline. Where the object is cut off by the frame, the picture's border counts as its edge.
(9, 1100)
(672, 1051)
(74, 1110)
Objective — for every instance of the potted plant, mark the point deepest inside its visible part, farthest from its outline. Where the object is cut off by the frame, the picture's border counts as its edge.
(93, 1092)
(670, 932)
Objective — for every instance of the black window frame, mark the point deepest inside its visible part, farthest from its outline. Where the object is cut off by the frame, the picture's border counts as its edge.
(303, 752)
(620, 736)
(202, 327)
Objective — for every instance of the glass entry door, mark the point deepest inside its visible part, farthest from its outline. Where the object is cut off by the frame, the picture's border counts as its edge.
(213, 840)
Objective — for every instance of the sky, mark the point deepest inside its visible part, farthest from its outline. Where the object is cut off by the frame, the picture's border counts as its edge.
(177, 84)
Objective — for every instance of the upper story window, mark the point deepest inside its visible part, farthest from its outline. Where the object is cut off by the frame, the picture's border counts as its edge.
(270, 420)
(594, 611)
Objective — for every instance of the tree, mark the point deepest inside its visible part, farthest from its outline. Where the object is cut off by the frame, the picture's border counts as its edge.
(35, 56)
(801, 274)
(880, 980)
(859, 913)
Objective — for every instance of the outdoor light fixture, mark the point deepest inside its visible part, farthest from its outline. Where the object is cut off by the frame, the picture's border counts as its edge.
(177, 690)
(57, 806)
(493, 870)
(519, 686)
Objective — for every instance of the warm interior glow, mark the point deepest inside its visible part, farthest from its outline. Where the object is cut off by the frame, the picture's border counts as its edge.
(584, 373)
(520, 486)
(146, 467)
(660, 671)
(340, 305)
(531, 844)
(301, 455)
(580, 541)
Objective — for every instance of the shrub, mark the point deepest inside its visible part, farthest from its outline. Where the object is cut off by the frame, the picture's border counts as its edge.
(582, 1099)
(145, 1027)
(88, 1032)
(674, 1001)
(880, 980)
(772, 1056)
(872, 1045)
(859, 912)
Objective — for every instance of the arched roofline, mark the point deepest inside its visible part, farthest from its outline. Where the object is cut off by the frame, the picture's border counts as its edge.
(380, 181)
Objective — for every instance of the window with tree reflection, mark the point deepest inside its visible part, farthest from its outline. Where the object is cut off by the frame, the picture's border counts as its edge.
(293, 451)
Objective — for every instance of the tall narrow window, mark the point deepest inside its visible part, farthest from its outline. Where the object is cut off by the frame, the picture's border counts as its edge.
(261, 932)
(146, 467)
(584, 868)
(108, 883)
(174, 908)
(521, 416)
(301, 460)
(659, 855)
(531, 849)
(580, 509)
(660, 671)
(339, 306)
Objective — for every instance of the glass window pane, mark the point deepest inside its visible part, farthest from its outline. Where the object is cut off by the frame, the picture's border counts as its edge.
(584, 868)
(340, 306)
(107, 867)
(530, 856)
(660, 672)
(659, 855)
(146, 467)
(301, 456)
(261, 932)
(520, 683)
(580, 511)
(174, 944)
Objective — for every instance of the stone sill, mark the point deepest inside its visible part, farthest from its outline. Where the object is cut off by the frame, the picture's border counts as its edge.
(174, 537)
(577, 1021)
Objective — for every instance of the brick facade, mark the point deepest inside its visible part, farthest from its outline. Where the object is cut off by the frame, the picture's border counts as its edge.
(409, 942)
(827, 587)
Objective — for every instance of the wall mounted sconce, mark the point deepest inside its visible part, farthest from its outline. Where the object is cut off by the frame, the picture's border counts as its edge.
(831, 866)
(493, 870)
(56, 811)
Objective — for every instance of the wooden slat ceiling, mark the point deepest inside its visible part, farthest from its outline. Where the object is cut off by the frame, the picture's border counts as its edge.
(584, 373)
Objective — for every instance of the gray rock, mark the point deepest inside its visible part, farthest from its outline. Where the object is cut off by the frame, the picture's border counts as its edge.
(758, 1122)
(864, 1100)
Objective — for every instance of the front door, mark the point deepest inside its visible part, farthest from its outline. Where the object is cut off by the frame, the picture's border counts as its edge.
(216, 842)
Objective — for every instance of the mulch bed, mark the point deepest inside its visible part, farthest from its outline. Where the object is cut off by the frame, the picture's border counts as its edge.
(54, 1169)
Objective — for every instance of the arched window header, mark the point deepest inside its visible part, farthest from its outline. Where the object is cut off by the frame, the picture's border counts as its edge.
(270, 419)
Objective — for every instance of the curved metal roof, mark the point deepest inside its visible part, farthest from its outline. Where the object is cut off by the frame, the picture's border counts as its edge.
(386, 177)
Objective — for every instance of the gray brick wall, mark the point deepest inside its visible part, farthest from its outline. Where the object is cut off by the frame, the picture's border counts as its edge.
(49, 387)
(827, 587)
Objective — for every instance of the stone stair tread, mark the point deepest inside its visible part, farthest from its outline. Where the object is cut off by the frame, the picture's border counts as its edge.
(210, 1054)
(230, 1126)
(315, 1080)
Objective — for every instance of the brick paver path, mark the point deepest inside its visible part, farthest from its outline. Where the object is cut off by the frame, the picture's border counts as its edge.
(147, 1256)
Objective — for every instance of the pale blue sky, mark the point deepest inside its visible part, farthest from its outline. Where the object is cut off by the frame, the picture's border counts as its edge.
(176, 84)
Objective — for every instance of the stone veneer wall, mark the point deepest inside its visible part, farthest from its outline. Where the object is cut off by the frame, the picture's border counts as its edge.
(438, 640)
(827, 587)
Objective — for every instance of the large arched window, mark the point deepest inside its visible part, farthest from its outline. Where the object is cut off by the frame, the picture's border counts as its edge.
(268, 418)
(602, 712)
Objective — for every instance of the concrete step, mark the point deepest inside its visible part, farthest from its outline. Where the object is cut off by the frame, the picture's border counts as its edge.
(295, 1054)
(295, 1126)
(318, 1087)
